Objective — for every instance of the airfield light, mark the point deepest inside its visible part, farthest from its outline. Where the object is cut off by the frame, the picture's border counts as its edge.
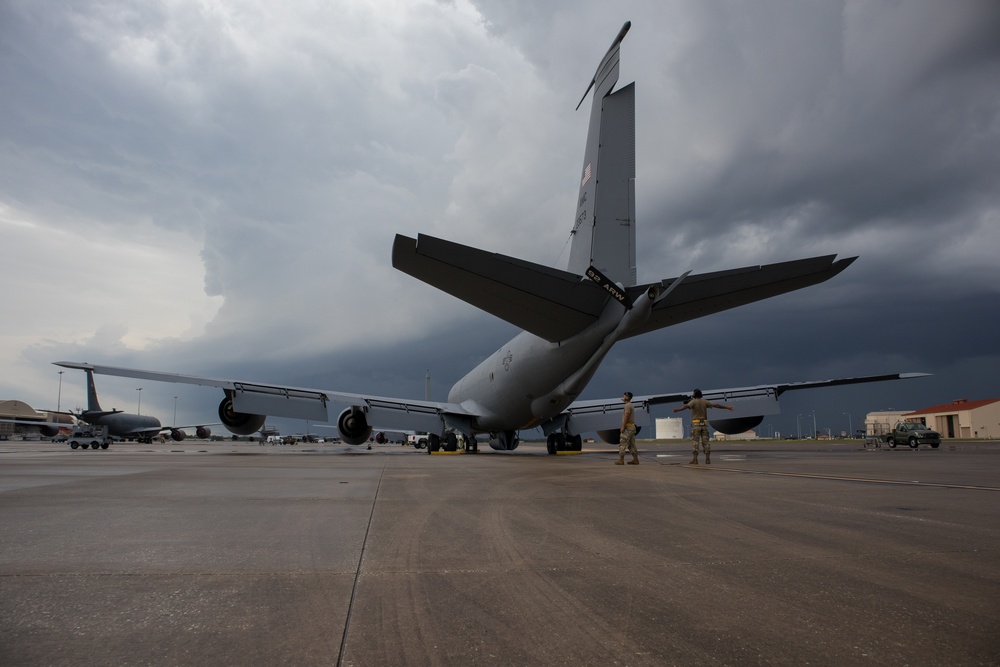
(138, 408)
(59, 397)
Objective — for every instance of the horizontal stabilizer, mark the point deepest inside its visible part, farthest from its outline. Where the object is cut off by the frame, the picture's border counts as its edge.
(550, 303)
(708, 293)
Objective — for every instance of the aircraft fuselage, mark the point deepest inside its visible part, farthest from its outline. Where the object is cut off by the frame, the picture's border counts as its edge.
(124, 425)
(530, 380)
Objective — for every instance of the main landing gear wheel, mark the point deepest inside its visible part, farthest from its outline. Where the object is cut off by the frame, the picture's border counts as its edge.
(560, 442)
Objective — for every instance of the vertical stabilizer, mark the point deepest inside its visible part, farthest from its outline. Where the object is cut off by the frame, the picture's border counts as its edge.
(92, 404)
(604, 228)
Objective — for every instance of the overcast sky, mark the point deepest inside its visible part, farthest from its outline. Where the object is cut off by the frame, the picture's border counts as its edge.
(213, 188)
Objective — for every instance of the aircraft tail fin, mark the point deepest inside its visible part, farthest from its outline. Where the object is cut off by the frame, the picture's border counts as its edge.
(603, 232)
(92, 404)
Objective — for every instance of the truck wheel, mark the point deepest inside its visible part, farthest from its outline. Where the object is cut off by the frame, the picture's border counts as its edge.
(104, 445)
(74, 444)
(914, 443)
(891, 443)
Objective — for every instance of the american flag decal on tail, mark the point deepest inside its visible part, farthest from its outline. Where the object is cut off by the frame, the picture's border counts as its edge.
(586, 175)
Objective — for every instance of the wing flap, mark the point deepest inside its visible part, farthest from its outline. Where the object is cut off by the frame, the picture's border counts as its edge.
(550, 303)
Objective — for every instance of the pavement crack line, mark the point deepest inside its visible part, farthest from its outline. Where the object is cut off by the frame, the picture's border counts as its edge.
(357, 573)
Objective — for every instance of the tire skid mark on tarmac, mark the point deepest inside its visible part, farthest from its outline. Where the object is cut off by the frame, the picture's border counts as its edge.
(845, 478)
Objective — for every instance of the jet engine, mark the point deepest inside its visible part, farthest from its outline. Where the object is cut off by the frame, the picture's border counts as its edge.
(353, 426)
(203, 432)
(735, 426)
(49, 431)
(240, 423)
(380, 438)
(177, 434)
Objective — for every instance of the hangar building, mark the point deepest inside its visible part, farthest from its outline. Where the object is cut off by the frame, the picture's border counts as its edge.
(20, 410)
(962, 418)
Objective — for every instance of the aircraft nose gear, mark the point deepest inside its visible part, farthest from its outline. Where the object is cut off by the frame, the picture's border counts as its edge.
(561, 442)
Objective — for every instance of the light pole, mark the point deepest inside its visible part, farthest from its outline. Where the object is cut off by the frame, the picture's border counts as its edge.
(815, 430)
(175, 411)
(798, 427)
(850, 425)
(138, 408)
(59, 397)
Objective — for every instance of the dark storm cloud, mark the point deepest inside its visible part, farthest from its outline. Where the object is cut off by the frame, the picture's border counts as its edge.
(291, 145)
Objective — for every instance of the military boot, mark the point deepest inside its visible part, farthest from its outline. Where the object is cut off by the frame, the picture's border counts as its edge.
(635, 460)
(708, 459)
(621, 460)
(694, 459)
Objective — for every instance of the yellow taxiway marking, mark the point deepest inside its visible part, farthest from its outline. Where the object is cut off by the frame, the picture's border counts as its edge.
(567, 453)
(842, 478)
(443, 453)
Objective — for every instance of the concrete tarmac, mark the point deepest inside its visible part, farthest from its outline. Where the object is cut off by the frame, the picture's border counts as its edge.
(201, 553)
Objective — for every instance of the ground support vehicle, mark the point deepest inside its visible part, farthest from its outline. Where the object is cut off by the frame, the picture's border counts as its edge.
(91, 437)
(913, 434)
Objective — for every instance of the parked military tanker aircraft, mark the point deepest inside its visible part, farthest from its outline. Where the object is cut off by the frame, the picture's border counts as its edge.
(127, 426)
(571, 319)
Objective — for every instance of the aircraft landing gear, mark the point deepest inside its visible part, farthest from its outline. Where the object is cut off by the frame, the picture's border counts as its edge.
(561, 442)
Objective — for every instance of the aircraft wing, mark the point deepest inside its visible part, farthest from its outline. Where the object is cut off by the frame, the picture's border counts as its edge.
(303, 403)
(604, 414)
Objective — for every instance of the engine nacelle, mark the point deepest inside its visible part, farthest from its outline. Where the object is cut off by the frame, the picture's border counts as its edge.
(735, 426)
(49, 431)
(177, 435)
(353, 426)
(203, 432)
(380, 438)
(240, 423)
(614, 436)
(505, 441)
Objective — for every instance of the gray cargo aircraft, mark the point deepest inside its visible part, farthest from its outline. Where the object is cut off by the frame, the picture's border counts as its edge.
(127, 426)
(570, 319)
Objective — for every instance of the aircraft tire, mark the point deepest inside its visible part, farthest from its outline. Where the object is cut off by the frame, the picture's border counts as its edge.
(550, 444)
(104, 445)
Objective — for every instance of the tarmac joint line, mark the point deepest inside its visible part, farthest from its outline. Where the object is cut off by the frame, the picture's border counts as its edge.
(841, 478)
